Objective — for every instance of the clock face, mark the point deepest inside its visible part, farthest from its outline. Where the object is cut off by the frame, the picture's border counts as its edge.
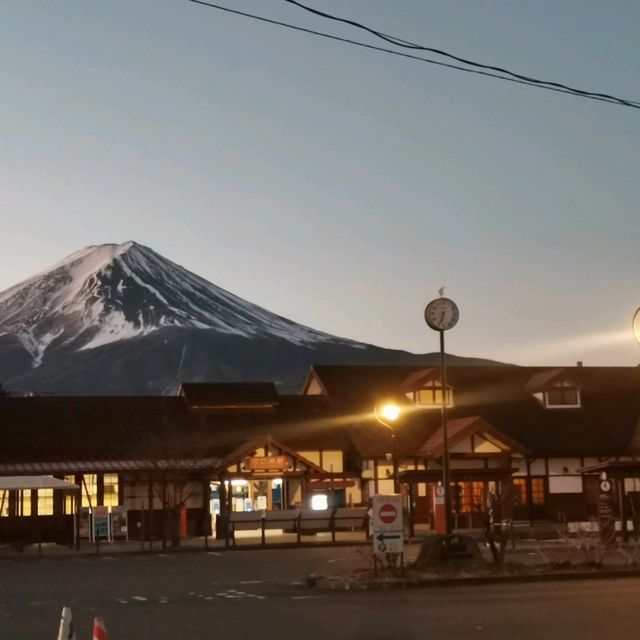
(441, 314)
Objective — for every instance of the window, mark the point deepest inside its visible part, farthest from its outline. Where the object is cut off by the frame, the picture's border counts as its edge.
(24, 502)
(68, 498)
(431, 395)
(4, 504)
(470, 497)
(110, 490)
(45, 502)
(90, 486)
(563, 394)
(537, 491)
(520, 492)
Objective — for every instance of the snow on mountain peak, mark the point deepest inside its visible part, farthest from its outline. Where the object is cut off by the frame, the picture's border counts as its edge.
(110, 292)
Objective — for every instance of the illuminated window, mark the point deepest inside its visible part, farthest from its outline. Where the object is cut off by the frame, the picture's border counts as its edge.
(110, 490)
(90, 486)
(45, 502)
(431, 395)
(24, 502)
(68, 498)
(519, 492)
(563, 394)
(537, 491)
(470, 497)
(4, 504)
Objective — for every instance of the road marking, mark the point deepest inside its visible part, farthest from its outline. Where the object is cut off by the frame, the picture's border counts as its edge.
(339, 559)
(107, 558)
(139, 598)
(305, 597)
(296, 584)
(250, 582)
(122, 601)
(213, 553)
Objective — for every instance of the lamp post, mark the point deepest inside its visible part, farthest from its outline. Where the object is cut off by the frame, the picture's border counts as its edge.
(441, 315)
(387, 412)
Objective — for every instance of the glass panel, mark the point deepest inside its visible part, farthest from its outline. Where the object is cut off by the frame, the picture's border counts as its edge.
(68, 498)
(110, 489)
(45, 502)
(90, 485)
(537, 491)
(563, 395)
(519, 492)
(24, 502)
(4, 504)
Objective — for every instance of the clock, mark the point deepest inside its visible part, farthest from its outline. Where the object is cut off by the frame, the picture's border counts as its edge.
(441, 314)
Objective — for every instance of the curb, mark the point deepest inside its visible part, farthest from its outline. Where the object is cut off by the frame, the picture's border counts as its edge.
(344, 584)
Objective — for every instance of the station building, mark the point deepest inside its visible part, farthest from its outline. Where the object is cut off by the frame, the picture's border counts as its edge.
(539, 438)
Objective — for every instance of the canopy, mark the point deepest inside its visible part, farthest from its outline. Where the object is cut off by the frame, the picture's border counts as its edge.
(8, 483)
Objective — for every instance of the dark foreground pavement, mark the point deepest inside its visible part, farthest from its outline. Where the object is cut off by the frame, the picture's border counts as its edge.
(249, 594)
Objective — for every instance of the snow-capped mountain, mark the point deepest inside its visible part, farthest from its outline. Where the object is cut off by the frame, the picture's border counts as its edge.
(120, 318)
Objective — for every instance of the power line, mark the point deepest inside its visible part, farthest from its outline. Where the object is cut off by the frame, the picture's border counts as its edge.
(401, 54)
(412, 45)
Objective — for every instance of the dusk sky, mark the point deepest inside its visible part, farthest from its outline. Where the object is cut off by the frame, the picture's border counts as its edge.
(338, 186)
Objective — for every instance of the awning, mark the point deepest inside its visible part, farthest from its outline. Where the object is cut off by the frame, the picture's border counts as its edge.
(627, 468)
(108, 466)
(22, 483)
(463, 475)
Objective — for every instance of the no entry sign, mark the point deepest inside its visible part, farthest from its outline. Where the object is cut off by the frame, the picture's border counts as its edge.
(386, 513)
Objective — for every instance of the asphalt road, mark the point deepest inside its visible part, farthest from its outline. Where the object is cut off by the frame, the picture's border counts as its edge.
(259, 594)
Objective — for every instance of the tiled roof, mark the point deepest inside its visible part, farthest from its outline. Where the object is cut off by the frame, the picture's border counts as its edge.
(605, 424)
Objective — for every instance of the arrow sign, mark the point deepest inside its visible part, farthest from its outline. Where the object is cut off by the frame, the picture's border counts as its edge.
(388, 542)
(388, 536)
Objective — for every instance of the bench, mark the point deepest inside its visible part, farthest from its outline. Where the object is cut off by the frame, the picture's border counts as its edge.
(338, 519)
(261, 521)
(301, 521)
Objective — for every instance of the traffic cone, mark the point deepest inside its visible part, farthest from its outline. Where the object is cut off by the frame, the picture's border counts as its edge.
(99, 631)
(66, 631)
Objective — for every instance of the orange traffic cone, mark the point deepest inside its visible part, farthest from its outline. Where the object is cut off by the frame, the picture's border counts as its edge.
(99, 632)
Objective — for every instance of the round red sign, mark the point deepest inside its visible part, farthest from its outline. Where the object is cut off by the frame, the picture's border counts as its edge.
(387, 513)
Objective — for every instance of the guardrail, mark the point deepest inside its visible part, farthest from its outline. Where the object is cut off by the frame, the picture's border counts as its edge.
(298, 521)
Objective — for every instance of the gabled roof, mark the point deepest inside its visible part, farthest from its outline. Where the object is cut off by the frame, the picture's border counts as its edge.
(240, 453)
(462, 428)
(543, 380)
(604, 425)
(418, 379)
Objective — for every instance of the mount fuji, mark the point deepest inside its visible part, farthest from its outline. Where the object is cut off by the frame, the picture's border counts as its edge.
(122, 319)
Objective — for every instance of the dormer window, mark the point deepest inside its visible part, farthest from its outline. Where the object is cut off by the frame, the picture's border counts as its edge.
(562, 395)
(430, 396)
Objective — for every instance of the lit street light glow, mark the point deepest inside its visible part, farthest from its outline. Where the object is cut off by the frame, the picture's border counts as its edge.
(389, 412)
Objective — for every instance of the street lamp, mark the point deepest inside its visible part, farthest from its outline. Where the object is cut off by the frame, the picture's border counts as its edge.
(387, 412)
(441, 315)
(636, 325)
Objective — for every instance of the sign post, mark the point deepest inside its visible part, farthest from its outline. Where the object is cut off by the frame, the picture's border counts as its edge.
(606, 514)
(387, 526)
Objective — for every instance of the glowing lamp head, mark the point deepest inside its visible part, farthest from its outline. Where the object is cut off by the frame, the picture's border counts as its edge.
(390, 412)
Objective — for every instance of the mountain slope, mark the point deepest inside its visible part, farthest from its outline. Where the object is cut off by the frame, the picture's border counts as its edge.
(123, 319)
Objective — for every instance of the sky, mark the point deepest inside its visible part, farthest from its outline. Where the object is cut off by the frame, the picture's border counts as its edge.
(338, 186)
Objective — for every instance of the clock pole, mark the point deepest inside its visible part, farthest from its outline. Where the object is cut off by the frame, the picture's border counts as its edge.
(446, 484)
(441, 315)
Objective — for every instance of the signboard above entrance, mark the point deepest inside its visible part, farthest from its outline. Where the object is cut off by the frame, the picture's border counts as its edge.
(267, 463)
